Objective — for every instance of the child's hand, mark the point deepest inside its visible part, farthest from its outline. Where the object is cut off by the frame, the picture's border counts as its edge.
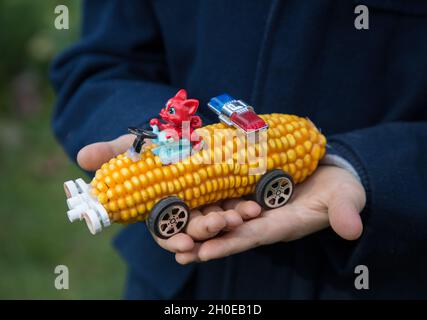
(203, 224)
(332, 196)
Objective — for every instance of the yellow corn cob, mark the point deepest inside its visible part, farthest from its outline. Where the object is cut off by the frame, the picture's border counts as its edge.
(128, 190)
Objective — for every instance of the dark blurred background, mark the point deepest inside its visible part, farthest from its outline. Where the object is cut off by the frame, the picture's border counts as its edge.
(35, 235)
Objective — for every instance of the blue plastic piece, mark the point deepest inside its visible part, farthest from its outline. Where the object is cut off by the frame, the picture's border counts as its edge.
(170, 151)
(218, 102)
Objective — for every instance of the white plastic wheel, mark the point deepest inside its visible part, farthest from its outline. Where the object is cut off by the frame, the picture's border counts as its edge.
(92, 221)
(70, 189)
(102, 214)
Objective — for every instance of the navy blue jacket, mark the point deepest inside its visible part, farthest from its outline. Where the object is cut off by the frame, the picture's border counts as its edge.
(366, 90)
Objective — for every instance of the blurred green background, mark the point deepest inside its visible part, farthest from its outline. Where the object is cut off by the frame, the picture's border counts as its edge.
(35, 235)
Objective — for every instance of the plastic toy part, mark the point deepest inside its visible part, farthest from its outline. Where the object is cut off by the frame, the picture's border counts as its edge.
(172, 152)
(178, 112)
(83, 205)
(175, 138)
(141, 135)
(236, 113)
(274, 189)
(168, 217)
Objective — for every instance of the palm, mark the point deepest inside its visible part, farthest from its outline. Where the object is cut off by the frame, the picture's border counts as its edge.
(331, 196)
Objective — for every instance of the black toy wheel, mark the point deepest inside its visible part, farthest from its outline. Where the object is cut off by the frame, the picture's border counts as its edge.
(274, 189)
(168, 217)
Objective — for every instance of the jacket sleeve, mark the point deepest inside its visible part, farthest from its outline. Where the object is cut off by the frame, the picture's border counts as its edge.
(391, 160)
(115, 76)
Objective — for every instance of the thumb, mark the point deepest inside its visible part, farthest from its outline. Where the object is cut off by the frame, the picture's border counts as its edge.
(92, 156)
(344, 213)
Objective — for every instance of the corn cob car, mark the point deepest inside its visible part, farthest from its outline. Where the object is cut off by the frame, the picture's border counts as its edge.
(231, 164)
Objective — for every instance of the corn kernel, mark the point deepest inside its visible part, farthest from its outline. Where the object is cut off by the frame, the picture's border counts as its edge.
(137, 197)
(214, 185)
(98, 175)
(140, 208)
(121, 203)
(102, 187)
(151, 177)
(177, 185)
(112, 206)
(209, 187)
(164, 187)
(119, 190)
(315, 153)
(291, 140)
(150, 163)
(133, 212)
(157, 189)
(189, 179)
(144, 195)
(117, 177)
(128, 186)
(151, 192)
(291, 155)
(125, 172)
(135, 181)
(133, 168)
(129, 201)
(143, 179)
(102, 197)
(158, 174)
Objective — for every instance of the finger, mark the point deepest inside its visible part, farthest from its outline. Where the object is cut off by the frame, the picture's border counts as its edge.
(232, 217)
(241, 239)
(344, 216)
(92, 156)
(247, 209)
(180, 242)
(188, 257)
(282, 224)
(202, 227)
